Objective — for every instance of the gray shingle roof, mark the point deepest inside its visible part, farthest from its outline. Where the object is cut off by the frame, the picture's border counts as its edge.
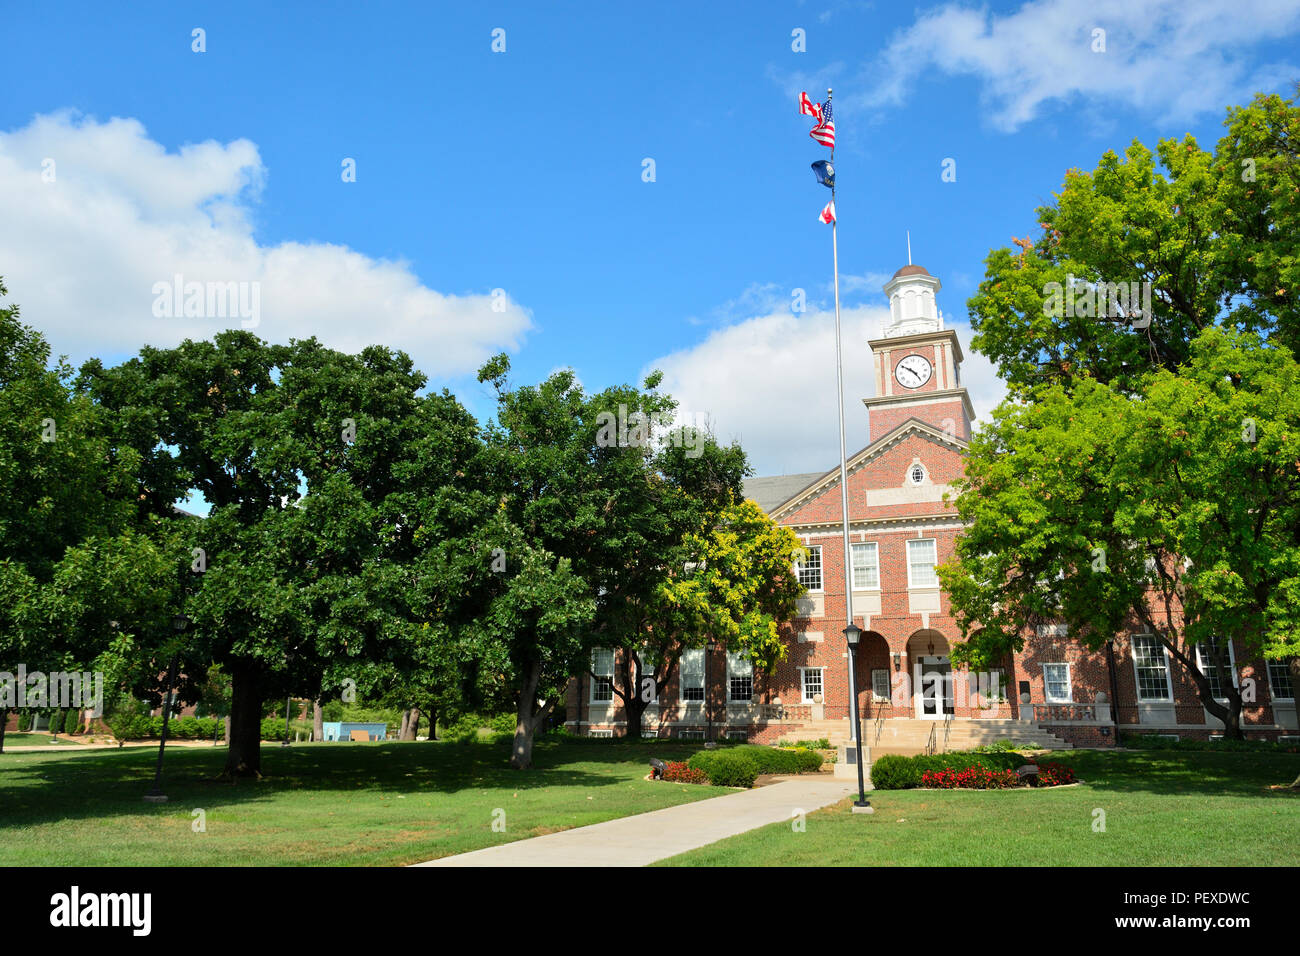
(778, 489)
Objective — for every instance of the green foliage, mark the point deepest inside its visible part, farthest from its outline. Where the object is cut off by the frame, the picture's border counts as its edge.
(1096, 508)
(1156, 742)
(24, 721)
(776, 760)
(896, 772)
(1001, 746)
(1216, 233)
(821, 743)
(469, 728)
(726, 768)
(72, 721)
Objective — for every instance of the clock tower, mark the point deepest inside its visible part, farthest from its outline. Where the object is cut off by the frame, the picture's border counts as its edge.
(917, 362)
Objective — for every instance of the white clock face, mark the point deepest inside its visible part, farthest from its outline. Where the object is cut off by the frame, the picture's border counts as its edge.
(913, 371)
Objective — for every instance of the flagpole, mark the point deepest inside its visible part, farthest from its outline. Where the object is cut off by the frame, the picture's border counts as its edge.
(844, 492)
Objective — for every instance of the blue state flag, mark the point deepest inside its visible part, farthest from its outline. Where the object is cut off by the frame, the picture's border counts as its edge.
(825, 173)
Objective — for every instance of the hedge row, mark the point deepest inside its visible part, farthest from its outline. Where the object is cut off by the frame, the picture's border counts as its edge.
(1156, 742)
(740, 766)
(774, 760)
(894, 772)
(142, 726)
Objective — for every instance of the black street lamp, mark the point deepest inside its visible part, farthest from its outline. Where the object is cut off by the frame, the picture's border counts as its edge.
(179, 623)
(853, 634)
(286, 723)
(708, 712)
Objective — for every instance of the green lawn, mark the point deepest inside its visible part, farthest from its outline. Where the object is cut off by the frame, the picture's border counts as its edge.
(320, 804)
(1161, 809)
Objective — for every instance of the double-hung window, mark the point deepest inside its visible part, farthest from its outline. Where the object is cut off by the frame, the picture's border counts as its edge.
(602, 669)
(866, 566)
(1152, 668)
(643, 675)
(1279, 680)
(921, 559)
(812, 683)
(880, 683)
(740, 679)
(1205, 657)
(810, 568)
(1056, 683)
(692, 667)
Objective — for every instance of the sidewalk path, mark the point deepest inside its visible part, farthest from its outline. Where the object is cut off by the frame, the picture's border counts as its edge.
(646, 837)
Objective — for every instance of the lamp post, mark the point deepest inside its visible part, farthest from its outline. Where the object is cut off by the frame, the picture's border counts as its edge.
(708, 711)
(179, 623)
(286, 723)
(853, 634)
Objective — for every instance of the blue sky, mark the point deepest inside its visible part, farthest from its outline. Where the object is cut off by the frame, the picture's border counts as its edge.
(521, 171)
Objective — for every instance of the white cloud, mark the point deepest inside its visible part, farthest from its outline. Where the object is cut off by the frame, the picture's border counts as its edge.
(1175, 59)
(81, 254)
(769, 383)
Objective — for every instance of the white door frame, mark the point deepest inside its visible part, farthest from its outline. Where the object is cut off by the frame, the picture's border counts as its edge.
(939, 689)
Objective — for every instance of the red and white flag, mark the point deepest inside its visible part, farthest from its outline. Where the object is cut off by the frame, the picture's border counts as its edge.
(808, 108)
(828, 214)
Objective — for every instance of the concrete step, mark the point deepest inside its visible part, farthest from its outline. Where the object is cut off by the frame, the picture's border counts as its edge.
(923, 736)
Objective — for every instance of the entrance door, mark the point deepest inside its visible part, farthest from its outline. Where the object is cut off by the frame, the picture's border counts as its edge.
(934, 697)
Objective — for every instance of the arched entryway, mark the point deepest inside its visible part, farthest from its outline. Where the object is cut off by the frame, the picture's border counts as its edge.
(932, 677)
(873, 676)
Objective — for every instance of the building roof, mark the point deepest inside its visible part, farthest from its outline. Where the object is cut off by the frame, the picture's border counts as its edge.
(910, 270)
(778, 489)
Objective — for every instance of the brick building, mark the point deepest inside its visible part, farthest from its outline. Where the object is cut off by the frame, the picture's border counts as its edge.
(911, 697)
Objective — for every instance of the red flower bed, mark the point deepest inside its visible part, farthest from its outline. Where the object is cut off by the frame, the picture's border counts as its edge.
(973, 778)
(676, 771)
(981, 778)
(1054, 775)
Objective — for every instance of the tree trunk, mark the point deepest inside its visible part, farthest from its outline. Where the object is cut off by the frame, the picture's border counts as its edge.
(433, 725)
(634, 707)
(528, 718)
(413, 725)
(406, 719)
(317, 721)
(1294, 669)
(4, 719)
(244, 759)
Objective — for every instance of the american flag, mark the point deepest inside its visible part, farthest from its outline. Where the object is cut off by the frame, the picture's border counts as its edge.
(828, 214)
(824, 132)
(808, 108)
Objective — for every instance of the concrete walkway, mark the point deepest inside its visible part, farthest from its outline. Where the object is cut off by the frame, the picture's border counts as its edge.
(647, 837)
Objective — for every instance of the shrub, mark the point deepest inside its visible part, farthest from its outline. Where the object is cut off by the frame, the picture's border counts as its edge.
(72, 721)
(24, 721)
(894, 772)
(1001, 746)
(1156, 742)
(677, 771)
(776, 760)
(725, 768)
(822, 743)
